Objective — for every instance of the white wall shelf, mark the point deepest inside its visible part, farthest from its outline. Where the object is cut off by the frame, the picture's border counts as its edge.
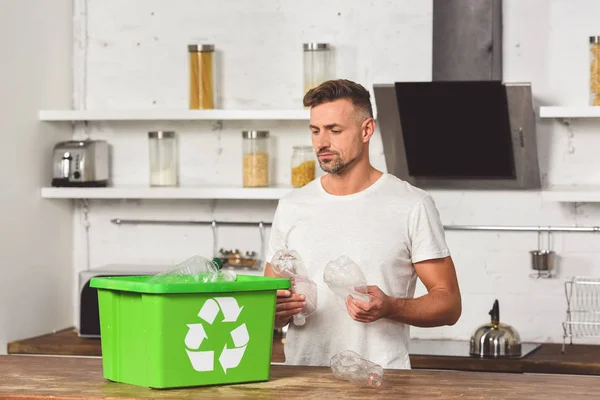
(569, 112)
(174, 193)
(572, 193)
(173, 115)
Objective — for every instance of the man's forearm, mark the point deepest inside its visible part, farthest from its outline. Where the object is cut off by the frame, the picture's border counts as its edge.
(436, 308)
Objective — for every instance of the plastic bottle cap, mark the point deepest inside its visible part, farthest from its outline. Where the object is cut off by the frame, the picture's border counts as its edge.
(218, 262)
(374, 380)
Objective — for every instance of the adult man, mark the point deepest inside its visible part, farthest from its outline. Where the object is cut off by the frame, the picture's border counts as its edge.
(391, 229)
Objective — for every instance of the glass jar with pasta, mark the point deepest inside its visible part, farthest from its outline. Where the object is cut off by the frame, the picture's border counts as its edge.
(201, 61)
(303, 165)
(256, 158)
(595, 70)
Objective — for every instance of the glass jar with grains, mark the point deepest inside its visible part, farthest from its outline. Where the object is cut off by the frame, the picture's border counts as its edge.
(303, 165)
(256, 158)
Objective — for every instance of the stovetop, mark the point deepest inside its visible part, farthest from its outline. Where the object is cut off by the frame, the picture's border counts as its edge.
(455, 348)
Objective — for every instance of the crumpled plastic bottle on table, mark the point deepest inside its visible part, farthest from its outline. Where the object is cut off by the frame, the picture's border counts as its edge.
(288, 264)
(345, 278)
(348, 365)
(195, 269)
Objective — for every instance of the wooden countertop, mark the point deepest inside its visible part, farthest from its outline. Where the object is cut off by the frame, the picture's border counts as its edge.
(66, 342)
(62, 378)
(578, 359)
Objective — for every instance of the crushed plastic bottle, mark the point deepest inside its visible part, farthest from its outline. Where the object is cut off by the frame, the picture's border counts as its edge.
(195, 269)
(345, 278)
(349, 366)
(288, 264)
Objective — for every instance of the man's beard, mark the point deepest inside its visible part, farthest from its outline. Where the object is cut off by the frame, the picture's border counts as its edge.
(335, 165)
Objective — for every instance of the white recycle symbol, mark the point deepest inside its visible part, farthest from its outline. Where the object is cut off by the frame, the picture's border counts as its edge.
(229, 357)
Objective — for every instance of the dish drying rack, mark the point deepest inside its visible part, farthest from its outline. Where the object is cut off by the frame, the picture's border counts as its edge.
(583, 309)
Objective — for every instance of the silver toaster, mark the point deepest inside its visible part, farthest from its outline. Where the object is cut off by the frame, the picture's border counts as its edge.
(83, 163)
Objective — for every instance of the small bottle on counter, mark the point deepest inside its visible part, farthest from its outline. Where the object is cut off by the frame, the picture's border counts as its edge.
(256, 158)
(163, 158)
(317, 65)
(201, 76)
(303, 165)
(349, 366)
(594, 70)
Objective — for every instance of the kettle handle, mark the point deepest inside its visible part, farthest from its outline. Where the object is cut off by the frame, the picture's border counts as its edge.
(495, 313)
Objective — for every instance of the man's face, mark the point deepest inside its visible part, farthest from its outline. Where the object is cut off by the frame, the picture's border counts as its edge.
(337, 135)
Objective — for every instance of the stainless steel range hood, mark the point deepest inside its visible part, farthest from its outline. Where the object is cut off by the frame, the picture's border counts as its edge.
(466, 128)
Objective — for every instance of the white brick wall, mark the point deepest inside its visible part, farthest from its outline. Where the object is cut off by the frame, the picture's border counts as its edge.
(136, 58)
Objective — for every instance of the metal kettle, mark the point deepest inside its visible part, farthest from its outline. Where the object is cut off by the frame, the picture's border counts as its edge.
(495, 339)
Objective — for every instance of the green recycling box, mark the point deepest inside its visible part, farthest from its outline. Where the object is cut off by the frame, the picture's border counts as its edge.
(186, 333)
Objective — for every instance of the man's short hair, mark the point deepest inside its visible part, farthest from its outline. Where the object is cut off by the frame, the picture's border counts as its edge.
(340, 89)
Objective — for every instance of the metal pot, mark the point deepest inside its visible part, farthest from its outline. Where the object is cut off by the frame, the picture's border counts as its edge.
(495, 339)
(542, 260)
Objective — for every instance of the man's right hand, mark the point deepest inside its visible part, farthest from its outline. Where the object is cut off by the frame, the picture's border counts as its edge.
(288, 305)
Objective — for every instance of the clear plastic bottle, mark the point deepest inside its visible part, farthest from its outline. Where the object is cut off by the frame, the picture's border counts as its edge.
(345, 278)
(349, 366)
(288, 264)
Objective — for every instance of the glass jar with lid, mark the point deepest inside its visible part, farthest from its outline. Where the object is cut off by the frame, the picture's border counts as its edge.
(303, 165)
(317, 65)
(201, 76)
(256, 158)
(594, 70)
(163, 158)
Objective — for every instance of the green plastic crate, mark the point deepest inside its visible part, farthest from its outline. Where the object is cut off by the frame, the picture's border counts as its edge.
(185, 333)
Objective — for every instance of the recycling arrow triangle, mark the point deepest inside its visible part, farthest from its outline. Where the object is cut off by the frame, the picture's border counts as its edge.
(230, 357)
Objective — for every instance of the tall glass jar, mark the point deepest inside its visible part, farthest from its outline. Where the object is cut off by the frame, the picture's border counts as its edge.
(163, 158)
(201, 76)
(594, 70)
(303, 165)
(317, 65)
(256, 158)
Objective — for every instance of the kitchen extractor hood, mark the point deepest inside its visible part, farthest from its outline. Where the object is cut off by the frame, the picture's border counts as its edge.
(466, 128)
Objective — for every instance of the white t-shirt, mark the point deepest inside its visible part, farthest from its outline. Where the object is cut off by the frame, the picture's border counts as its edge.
(384, 229)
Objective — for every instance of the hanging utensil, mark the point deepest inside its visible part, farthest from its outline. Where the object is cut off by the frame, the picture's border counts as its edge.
(542, 260)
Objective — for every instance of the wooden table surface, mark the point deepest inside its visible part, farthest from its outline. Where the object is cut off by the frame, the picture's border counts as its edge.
(577, 359)
(33, 377)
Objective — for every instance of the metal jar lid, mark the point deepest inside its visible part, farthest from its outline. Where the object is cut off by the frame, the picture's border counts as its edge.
(161, 134)
(201, 47)
(316, 46)
(255, 134)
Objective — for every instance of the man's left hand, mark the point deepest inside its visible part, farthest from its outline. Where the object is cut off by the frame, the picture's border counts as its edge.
(378, 307)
